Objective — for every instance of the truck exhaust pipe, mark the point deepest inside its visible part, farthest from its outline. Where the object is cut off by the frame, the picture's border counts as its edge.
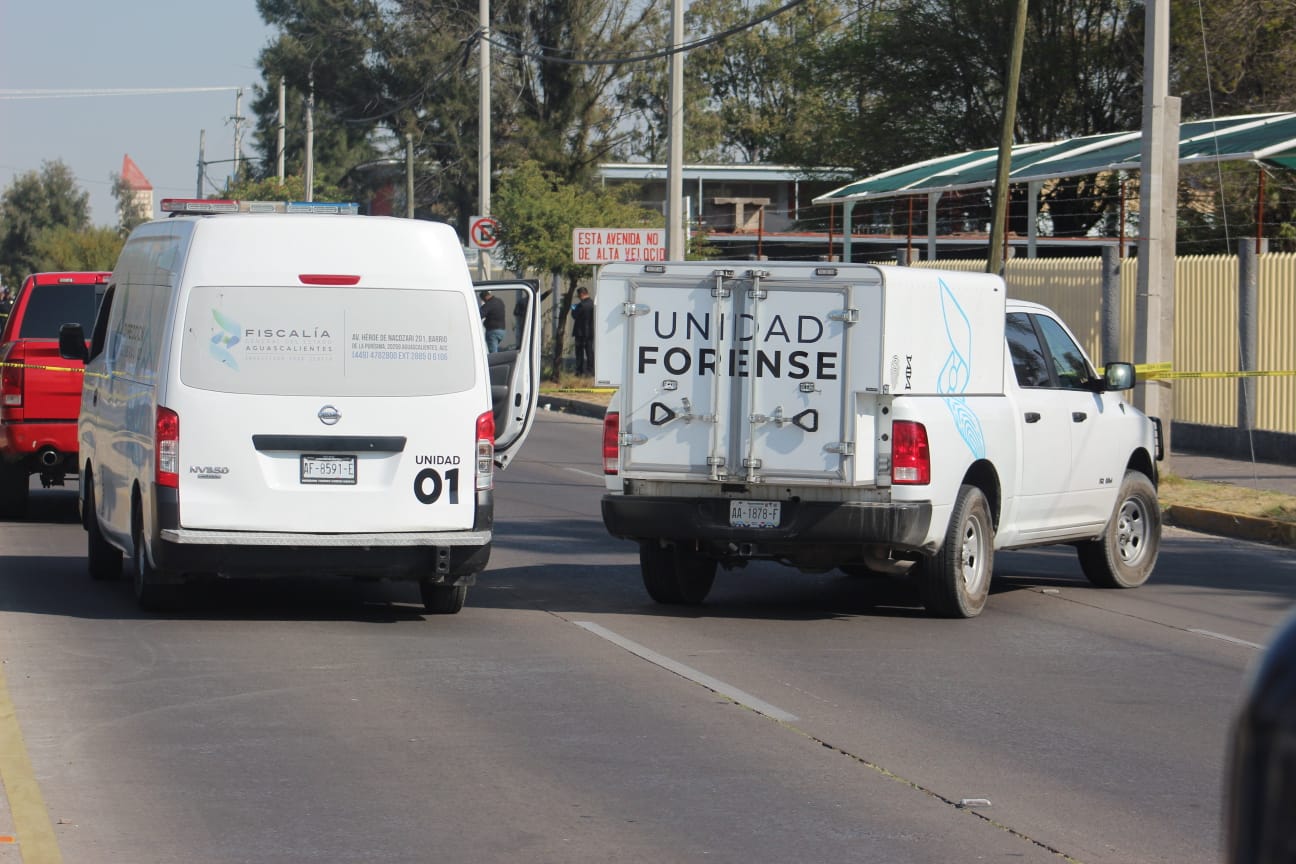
(49, 457)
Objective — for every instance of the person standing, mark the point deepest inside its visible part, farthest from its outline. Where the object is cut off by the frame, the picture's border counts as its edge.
(583, 331)
(492, 315)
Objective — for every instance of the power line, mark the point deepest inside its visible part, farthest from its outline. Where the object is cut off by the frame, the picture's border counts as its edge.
(652, 55)
(75, 93)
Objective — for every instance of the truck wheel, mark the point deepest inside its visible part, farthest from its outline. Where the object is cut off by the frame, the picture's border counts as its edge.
(13, 491)
(1125, 554)
(674, 575)
(105, 559)
(956, 580)
(442, 599)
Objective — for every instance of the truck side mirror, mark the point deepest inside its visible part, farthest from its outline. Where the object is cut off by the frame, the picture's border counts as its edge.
(1119, 376)
(72, 344)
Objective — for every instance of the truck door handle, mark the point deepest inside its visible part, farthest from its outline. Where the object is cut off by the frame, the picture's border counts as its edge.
(1079, 416)
(1032, 416)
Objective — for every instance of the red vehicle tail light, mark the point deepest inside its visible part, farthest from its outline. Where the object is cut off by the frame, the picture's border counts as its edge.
(11, 382)
(486, 450)
(910, 455)
(166, 446)
(611, 442)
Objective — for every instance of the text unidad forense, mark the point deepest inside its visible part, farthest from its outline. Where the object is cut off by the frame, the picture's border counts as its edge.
(772, 361)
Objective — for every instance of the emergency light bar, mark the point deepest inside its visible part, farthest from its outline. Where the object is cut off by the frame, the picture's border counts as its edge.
(216, 205)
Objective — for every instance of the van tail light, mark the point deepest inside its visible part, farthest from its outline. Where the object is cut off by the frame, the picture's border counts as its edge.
(486, 451)
(11, 382)
(611, 442)
(166, 446)
(910, 455)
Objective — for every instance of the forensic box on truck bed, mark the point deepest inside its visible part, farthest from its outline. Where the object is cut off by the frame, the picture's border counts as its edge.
(860, 417)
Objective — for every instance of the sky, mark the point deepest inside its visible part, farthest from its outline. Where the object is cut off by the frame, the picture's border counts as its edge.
(136, 44)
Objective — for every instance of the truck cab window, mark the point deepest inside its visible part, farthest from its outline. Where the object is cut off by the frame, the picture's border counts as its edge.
(1068, 360)
(1028, 358)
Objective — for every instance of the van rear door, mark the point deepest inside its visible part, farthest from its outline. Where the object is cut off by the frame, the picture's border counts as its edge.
(515, 368)
(328, 408)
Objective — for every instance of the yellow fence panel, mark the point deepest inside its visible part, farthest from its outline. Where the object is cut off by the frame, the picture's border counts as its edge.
(1276, 397)
(1206, 338)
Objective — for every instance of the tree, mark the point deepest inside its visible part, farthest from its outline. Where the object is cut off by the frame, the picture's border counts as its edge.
(537, 211)
(270, 189)
(130, 214)
(65, 248)
(33, 203)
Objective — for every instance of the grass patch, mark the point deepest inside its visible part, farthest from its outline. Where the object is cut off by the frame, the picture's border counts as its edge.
(1227, 498)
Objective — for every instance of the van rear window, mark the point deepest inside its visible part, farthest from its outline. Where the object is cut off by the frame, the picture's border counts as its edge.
(327, 341)
(51, 306)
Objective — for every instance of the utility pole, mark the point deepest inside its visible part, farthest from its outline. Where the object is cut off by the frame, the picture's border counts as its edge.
(409, 176)
(283, 94)
(238, 130)
(202, 159)
(675, 250)
(994, 261)
(310, 140)
(484, 126)
(1158, 184)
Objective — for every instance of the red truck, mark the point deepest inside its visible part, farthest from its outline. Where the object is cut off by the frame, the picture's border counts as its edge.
(40, 392)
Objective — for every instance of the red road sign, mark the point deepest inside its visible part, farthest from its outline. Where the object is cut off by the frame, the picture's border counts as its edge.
(483, 232)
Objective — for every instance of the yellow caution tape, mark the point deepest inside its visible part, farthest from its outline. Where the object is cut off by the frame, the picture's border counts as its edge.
(1163, 372)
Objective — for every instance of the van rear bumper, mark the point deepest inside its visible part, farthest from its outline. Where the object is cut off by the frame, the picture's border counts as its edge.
(453, 556)
(899, 525)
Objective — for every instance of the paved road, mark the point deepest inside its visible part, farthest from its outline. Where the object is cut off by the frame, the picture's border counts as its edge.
(563, 717)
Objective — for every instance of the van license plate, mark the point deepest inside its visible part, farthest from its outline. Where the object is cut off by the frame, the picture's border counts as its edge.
(755, 514)
(329, 469)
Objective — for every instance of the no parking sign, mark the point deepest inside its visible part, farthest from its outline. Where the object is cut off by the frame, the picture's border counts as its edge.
(483, 232)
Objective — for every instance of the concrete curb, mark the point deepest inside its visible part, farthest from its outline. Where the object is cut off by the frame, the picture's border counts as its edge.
(1232, 525)
(1215, 522)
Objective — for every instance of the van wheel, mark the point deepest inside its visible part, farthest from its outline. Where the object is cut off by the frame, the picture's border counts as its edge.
(105, 559)
(675, 575)
(152, 592)
(442, 599)
(13, 491)
(956, 580)
(1127, 551)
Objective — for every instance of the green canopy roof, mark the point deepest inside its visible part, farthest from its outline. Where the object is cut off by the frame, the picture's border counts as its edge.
(1269, 138)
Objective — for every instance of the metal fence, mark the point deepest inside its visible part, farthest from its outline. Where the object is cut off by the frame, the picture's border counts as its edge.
(1206, 333)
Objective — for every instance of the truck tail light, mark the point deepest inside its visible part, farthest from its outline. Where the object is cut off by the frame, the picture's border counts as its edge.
(11, 382)
(611, 442)
(166, 444)
(910, 455)
(486, 451)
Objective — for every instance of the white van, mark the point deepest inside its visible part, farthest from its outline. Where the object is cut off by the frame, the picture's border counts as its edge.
(300, 395)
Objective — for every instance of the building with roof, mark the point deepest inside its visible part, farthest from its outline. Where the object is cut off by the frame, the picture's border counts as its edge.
(140, 198)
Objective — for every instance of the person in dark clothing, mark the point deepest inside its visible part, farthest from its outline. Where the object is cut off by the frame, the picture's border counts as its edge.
(583, 331)
(492, 315)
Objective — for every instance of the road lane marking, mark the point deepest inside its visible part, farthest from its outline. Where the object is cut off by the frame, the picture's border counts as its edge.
(1223, 638)
(715, 685)
(598, 477)
(32, 828)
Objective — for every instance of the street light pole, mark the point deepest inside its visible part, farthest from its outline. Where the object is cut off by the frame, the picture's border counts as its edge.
(484, 127)
(675, 250)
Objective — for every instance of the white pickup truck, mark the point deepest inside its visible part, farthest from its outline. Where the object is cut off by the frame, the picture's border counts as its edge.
(871, 419)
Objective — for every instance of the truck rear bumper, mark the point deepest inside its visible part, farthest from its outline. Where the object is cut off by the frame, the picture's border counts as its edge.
(899, 525)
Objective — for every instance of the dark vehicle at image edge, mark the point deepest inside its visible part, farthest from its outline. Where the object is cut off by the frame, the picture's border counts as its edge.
(40, 391)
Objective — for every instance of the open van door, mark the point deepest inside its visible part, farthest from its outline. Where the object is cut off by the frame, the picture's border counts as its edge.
(515, 367)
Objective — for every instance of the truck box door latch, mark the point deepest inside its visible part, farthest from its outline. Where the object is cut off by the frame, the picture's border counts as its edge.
(627, 439)
(630, 310)
(849, 316)
(842, 448)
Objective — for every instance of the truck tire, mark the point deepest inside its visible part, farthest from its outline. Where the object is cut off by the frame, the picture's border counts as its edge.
(955, 582)
(674, 575)
(103, 558)
(1127, 551)
(13, 491)
(442, 599)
